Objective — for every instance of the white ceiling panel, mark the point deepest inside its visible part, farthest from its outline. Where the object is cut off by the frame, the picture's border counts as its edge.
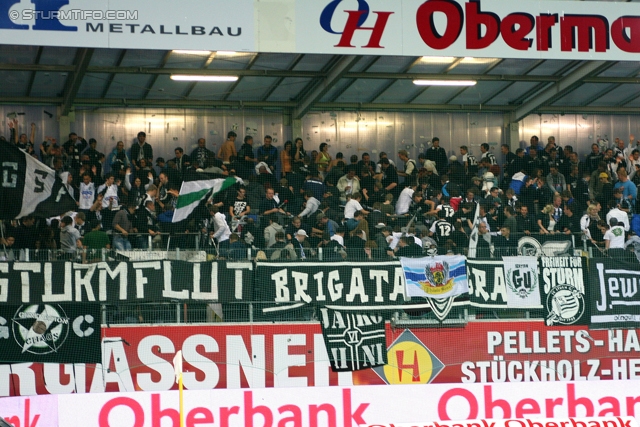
(143, 58)
(288, 89)
(93, 85)
(165, 88)
(132, 86)
(400, 91)
(580, 95)
(312, 62)
(615, 96)
(105, 57)
(205, 91)
(251, 88)
(48, 84)
(475, 95)
(58, 55)
(362, 89)
(510, 93)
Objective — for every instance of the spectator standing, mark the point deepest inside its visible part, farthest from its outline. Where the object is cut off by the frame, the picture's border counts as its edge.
(228, 148)
(245, 155)
(70, 239)
(141, 149)
(201, 154)
(268, 154)
(436, 154)
(122, 226)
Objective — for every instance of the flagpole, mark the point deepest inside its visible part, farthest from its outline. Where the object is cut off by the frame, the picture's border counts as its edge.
(177, 366)
(181, 400)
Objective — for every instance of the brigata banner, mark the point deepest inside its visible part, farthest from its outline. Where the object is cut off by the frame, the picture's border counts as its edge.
(614, 302)
(119, 282)
(223, 356)
(377, 285)
(345, 406)
(457, 28)
(50, 333)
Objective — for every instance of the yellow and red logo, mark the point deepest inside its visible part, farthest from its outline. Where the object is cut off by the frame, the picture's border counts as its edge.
(409, 361)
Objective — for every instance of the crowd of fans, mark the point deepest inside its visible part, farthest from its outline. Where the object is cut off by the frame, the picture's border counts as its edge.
(298, 203)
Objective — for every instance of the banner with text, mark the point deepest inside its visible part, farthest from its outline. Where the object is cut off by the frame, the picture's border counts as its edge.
(118, 282)
(50, 333)
(295, 355)
(354, 340)
(614, 302)
(378, 285)
(435, 277)
(521, 277)
(491, 287)
(563, 290)
(481, 404)
(465, 29)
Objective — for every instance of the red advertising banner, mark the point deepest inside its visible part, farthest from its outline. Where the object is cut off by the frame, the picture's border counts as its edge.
(138, 358)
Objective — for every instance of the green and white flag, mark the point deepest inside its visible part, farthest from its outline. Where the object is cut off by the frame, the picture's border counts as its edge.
(193, 192)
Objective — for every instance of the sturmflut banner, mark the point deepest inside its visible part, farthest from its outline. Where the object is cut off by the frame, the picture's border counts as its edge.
(118, 282)
(50, 333)
(614, 302)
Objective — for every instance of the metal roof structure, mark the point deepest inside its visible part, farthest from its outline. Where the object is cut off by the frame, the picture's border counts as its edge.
(84, 77)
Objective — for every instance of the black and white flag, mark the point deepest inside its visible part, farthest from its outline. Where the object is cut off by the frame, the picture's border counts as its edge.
(354, 340)
(565, 290)
(29, 187)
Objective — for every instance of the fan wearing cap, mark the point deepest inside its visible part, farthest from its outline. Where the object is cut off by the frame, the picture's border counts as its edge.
(301, 246)
(324, 225)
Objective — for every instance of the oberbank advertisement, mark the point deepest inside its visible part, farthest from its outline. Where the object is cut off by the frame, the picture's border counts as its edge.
(373, 406)
(139, 359)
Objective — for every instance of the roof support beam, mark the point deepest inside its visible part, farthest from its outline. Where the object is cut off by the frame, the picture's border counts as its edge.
(386, 87)
(206, 64)
(164, 61)
(237, 82)
(459, 92)
(350, 83)
(275, 84)
(335, 74)
(33, 74)
(107, 86)
(558, 89)
(83, 57)
(527, 71)
(444, 76)
(312, 74)
(321, 106)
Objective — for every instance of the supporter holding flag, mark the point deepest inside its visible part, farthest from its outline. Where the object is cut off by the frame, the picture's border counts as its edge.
(29, 187)
(194, 192)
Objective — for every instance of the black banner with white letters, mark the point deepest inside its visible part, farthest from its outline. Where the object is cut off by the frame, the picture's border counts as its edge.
(118, 282)
(50, 333)
(368, 284)
(615, 302)
(487, 286)
(564, 291)
(354, 340)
